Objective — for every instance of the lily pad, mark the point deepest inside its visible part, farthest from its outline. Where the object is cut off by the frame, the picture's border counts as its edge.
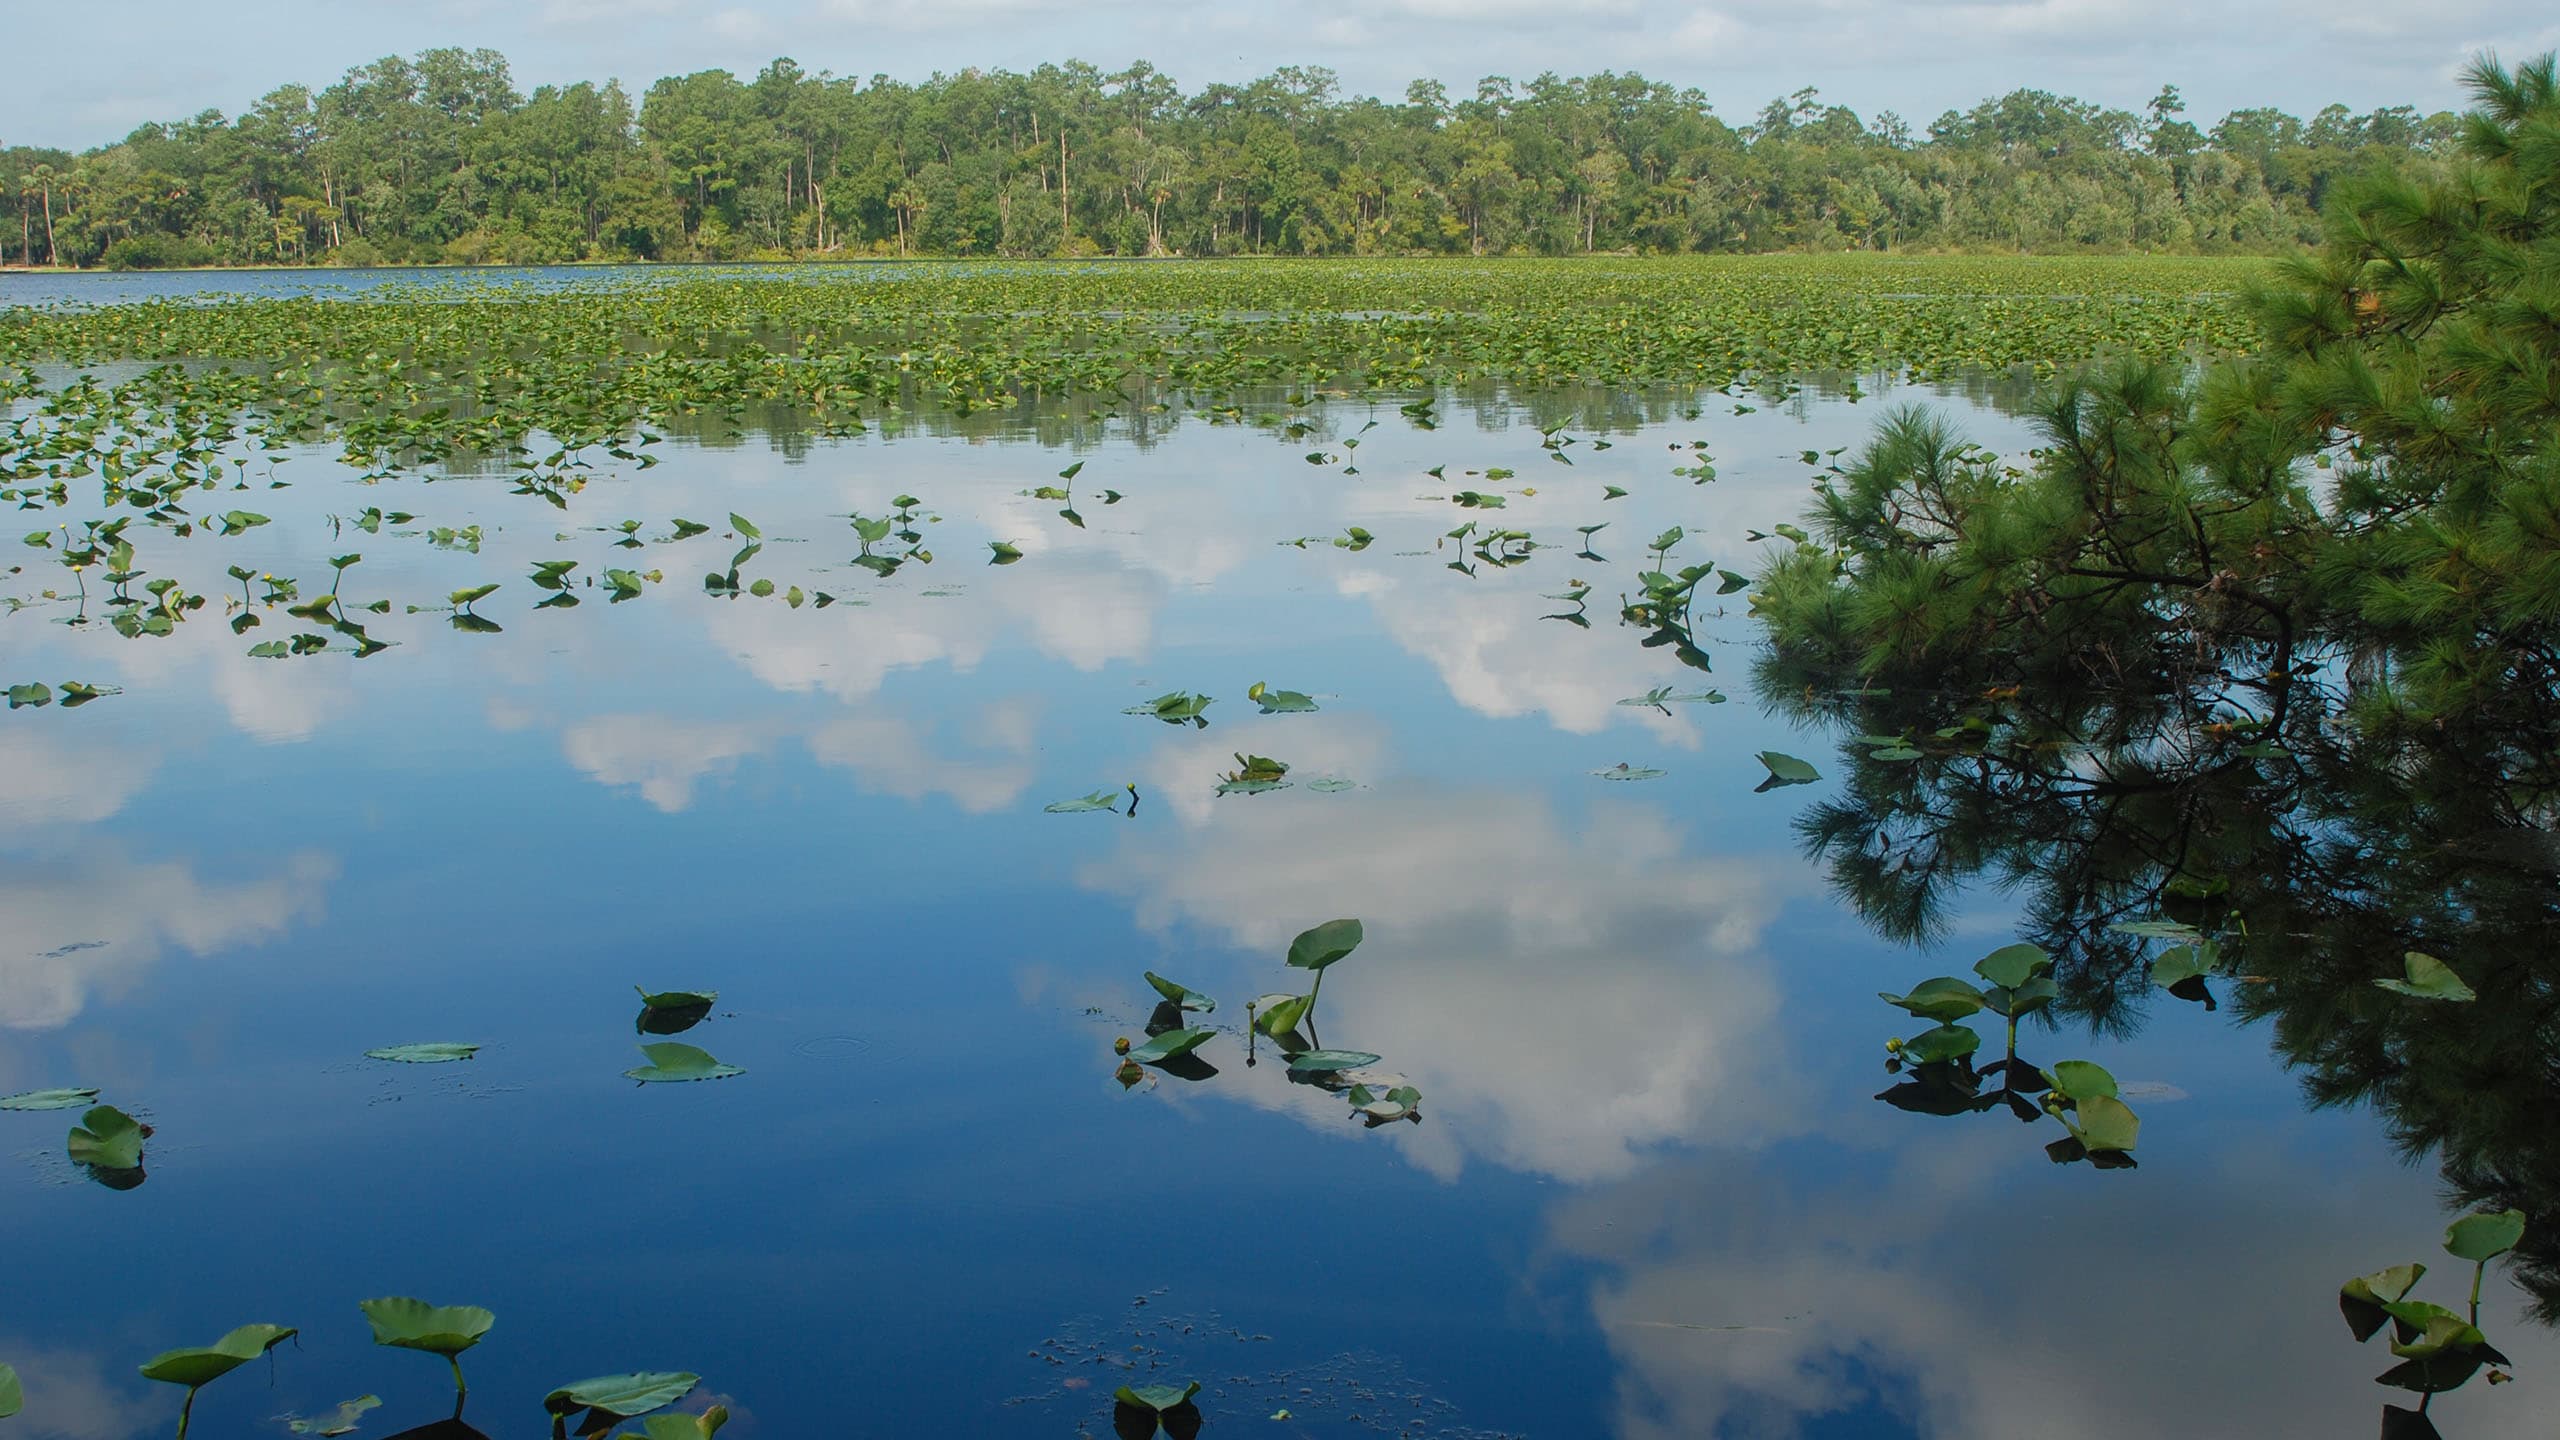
(2181, 963)
(2106, 1123)
(1326, 1062)
(1158, 1398)
(1945, 998)
(412, 1324)
(672, 1061)
(1786, 769)
(206, 1364)
(1183, 996)
(2011, 966)
(47, 1099)
(2481, 1238)
(622, 1395)
(433, 1053)
(1380, 1107)
(680, 1427)
(1624, 771)
(2362, 1300)
(108, 1139)
(1944, 1042)
(1098, 800)
(1277, 1015)
(13, 1396)
(2429, 979)
(2081, 1080)
(1170, 1045)
(1280, 702)
(1326, 943)
(341, 1421)
(678, 999)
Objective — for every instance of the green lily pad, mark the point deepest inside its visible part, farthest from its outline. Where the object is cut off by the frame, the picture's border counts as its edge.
(47, 1099)
(434, 1053)
(1944, 1042)
(680, 1427)
(1170, 1044)
(2362, 1300)
(1394, 1104)
(2081, 1080)
(622, 1395)
(2025, 999)
(672, 1061)
(341, 1421)
(2157, 930)
(412, 1324)
(678, 999)
(1183, 996)
(1280, 702)
(1786, 769)
(2480, 1238)
(13, 1396)
(203, 1366)
(1624, 771)
(1943, 999)
(2178, 963)
(1158, 1398)
(2011, 966)
(1277, 1015)
(1326, 1062)
(1098, 800)
(1326, 943)
(108, 1139)
(2429, 979)
(2106, 1123)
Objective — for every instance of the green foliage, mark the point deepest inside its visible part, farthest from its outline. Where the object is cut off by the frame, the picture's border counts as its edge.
(2376, 488)
(440, 158)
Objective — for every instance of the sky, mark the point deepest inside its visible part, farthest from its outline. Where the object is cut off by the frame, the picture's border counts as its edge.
(78, 83)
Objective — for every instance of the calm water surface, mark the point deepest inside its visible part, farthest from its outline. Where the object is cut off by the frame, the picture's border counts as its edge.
(1651, 1194)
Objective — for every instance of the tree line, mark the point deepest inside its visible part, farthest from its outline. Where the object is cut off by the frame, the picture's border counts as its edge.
(441, 158)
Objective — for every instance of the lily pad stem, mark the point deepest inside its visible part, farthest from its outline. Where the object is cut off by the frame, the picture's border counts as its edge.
(186, 1410)
(461, 1392)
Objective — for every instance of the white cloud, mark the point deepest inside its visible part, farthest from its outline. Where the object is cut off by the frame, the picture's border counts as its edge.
(91, 924)
(663, 756)
(1567, 1000)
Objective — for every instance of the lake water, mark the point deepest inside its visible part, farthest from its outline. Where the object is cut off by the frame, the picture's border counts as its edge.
(1650, 1192)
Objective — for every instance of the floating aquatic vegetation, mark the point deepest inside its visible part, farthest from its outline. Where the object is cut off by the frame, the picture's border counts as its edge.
(108, 1140)
(1097, 800)
(611, 1399)
(2428, 979)
(1279, 702)
(1175, 707)
(342, 1421)
(47, 1099)
(445, 1330)
(1785, 770)
(434, 1052)
(197, 1368)
(672, 1061)
(1624, 771)
(1181, 997)
(2439, 1349)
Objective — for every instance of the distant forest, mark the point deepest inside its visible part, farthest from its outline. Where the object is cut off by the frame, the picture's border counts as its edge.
(442, 159)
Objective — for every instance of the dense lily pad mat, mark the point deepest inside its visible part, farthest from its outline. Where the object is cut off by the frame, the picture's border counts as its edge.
(430, 369)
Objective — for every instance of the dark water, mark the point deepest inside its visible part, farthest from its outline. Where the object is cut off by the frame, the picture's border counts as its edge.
(1650, 1194)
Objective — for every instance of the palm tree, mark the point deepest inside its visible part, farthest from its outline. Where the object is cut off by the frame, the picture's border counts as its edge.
(43, 179)
(908, 202)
